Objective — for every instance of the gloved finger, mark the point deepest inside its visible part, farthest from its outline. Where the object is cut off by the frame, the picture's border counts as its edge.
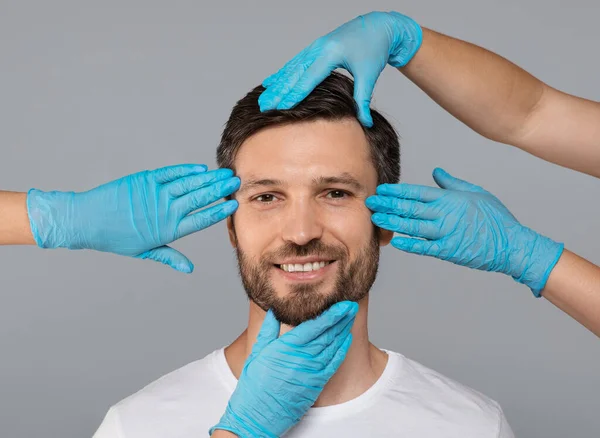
(205, 196)
(339, 357)
(324, 358)
(268, 81)
(417, 246)
(322, 349)
(269, 331)
(277, 92)
(401, 207)
(411, 191)
(170, 257)
(286, 81)
(270, 98)
(171, 173)
(287, 67)
(364, 82)
(313, 76)
(205, 218)
(410, 227)
(191, 183)
(447, 181)
(312, 329)
(316, 359)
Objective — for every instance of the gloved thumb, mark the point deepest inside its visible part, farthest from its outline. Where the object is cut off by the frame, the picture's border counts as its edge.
(363, 91)
(447, 181)
(170, 257)
(269, 331)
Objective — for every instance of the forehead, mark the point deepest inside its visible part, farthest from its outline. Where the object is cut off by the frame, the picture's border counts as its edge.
(306, 150)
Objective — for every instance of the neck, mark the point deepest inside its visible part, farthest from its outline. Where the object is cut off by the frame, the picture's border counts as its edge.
(363, 365)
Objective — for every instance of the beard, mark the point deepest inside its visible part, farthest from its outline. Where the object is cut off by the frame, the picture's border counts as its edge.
(307, 301)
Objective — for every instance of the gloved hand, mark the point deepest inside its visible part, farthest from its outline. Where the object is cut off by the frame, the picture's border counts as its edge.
(363, 46)
(137, 215)
(466, 225)
(283, 377)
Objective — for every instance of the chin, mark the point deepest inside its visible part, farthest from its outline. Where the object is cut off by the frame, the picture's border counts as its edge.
(297, 307)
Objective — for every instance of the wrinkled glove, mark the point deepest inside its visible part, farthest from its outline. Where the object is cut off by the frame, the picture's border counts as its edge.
(466, 225)
(283, 376)
(137, 215)
(363, 46)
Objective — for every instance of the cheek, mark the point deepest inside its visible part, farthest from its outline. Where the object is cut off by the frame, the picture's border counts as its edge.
(252, 230)
(351, 226)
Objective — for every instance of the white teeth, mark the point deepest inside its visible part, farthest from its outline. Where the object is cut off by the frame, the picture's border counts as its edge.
(306, 267)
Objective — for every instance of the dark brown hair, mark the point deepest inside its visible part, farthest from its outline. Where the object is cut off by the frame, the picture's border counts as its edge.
(331, 100)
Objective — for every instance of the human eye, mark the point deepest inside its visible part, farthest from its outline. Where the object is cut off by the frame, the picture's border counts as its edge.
(337, 194)
(265, 198)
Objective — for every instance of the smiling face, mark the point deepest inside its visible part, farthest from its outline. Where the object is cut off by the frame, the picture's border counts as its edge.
(302, 233)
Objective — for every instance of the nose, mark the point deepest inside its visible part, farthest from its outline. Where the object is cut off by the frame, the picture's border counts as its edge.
(302, 222)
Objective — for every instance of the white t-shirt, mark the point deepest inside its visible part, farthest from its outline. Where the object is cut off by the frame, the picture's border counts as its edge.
(408, 400)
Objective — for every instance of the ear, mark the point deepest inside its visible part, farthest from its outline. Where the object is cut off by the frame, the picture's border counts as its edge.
(385, 237)
(231, 231)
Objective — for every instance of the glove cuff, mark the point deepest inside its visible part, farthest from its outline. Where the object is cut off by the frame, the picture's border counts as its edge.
(244, 429)
(50, 214)
(539, 263)
(408, 39)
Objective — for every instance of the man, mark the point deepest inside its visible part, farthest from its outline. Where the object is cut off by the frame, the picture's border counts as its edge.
(305, 241)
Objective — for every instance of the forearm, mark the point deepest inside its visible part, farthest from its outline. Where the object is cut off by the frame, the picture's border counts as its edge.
(485, 91)
(503, 102)
(220, 433)
(574, 287)
(14, 221)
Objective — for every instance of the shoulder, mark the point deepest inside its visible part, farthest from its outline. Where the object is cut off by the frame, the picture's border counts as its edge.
(447, 400)
(200, 374)
(173, 400)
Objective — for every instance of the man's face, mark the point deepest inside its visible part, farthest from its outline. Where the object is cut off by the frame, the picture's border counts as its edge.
(302, 233)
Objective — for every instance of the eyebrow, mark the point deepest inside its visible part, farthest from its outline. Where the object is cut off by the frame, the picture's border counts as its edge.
(344, 178)
(252, 183)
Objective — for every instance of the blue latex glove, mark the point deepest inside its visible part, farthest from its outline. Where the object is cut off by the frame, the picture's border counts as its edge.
(466, 225)
(137, 215)
(363, 46)
(283, 376)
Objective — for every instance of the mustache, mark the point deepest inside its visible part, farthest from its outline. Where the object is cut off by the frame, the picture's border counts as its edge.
(313, 248)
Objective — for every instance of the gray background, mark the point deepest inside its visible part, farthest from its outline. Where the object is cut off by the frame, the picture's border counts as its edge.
(89, 93)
